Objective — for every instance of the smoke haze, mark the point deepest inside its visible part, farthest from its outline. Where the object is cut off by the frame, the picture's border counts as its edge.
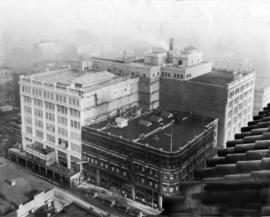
(231, 33)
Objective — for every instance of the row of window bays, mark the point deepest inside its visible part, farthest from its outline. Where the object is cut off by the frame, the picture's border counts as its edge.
(241, 89)
(124, 153)
(50, 95)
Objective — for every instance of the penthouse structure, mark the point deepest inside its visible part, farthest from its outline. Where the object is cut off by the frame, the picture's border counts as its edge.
(147, 156)
(185, 64)
(227, 95)
(56, 104)
(261, 94)
(236, 181)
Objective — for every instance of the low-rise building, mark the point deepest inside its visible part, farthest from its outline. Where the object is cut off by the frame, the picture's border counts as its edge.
(23, 194)
(146, 157)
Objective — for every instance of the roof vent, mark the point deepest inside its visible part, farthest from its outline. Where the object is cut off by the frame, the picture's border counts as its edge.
(165, 114)
(10, 182)
(121, 122)
(145, 123)
(156, 119)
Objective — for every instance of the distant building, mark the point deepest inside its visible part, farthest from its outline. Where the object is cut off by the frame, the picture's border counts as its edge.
(44, 51)
(6, 86)
(146, 157)
(56, 104)
(261, 94)
(227, 95)
(84, 50)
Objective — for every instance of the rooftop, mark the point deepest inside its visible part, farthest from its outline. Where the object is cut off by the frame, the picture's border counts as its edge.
(160, 130)
(139, 62)
(26, 185)
(86, 81)
(69, 76)
(262, 82)
(75, 210)
(217, 77)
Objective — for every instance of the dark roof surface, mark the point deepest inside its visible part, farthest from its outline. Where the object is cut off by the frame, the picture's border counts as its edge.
(216, 77)
(169, 134)
(26, 185)
(74, 210)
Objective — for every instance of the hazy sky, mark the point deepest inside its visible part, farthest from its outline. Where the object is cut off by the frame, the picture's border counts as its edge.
(225, 30)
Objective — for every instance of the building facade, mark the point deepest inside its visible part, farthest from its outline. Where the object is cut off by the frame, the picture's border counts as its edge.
(147, 157)
(224, 94)
(147, 70)
(6, 85)
(56, 104)
(44, 51)
(261, 94)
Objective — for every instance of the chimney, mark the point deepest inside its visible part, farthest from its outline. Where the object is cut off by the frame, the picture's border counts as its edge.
(171, 43)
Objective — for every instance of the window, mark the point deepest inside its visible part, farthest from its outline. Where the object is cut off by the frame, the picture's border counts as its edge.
(49, 105)
(27, 109)
(28, 120)
(39, 123)
(75, 124)
(39, 134)
(76, 148)
(28, 129)
(27, 99)
(50, 127)
(62, 120)
(50, 138)
(62, 131)
(49, 116)
(37, 102)
(38, 113)
(62, 109)
(75, 136)
(188, 75)
(75, 113)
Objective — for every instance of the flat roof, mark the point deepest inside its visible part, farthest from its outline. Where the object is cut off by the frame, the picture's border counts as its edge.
(69, 76)
(26, 185)
(216, 77)
(169, 134)
(73, 210)
(262, 82)
(139, 62)
(87, 81)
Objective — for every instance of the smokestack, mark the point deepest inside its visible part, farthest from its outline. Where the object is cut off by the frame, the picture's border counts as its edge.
(171, 43)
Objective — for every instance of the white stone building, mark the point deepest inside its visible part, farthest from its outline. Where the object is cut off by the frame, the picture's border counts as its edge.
(55, 105)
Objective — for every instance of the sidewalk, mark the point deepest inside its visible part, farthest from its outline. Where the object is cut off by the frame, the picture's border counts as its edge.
(147, 210)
